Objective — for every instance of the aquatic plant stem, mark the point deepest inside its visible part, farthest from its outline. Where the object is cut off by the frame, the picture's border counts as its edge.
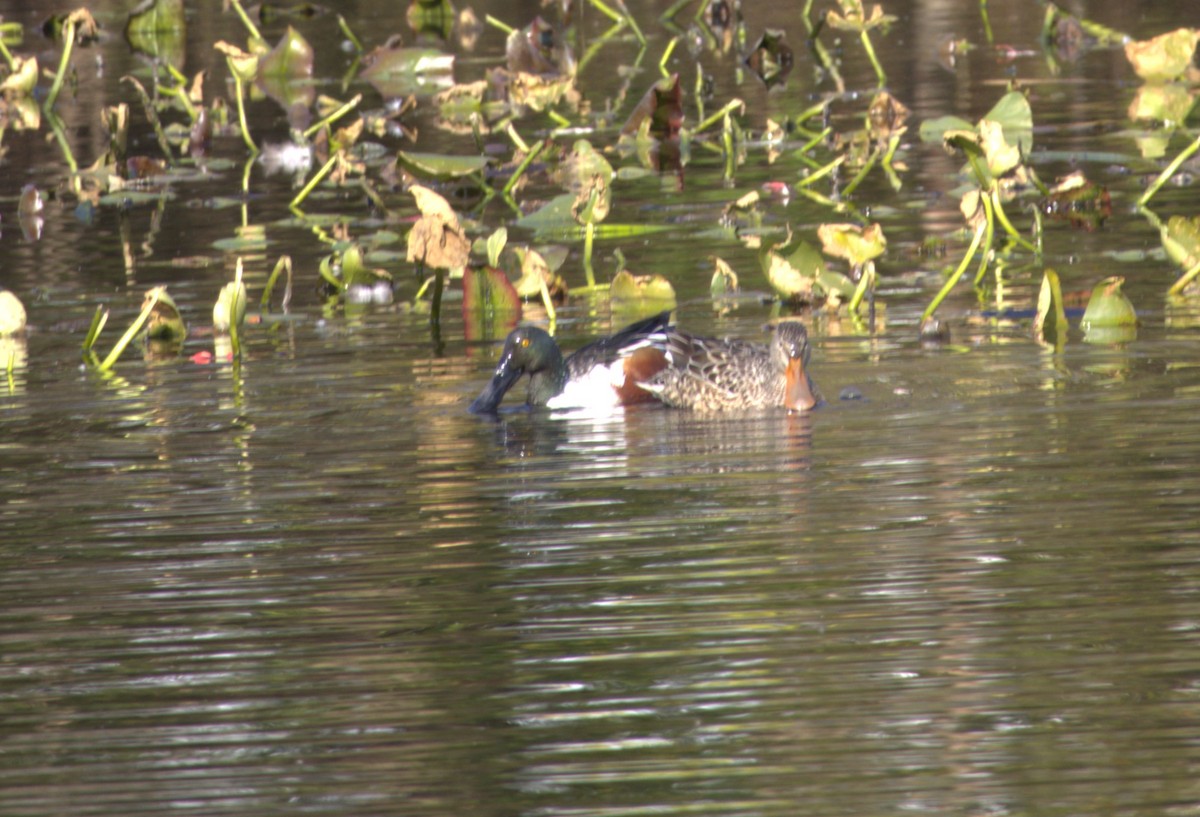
(667, 52)
(820, 173)
(548, 302)
(1006, 224)
(957, 274)
(866, 282)
(245, 18)
(8, 57)
(870, 49)
(589, 236)
(64, 61)
(988, 236)
(1168, 172)
(1184, 280)
(530, 155)
(129, 335)
(338, 114)
(313, 182)
(241, 106)
(345, 27)
(718, 116)
(494, 23)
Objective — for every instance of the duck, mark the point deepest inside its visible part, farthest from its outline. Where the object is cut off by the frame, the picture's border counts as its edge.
(603, 375)
(711, 375)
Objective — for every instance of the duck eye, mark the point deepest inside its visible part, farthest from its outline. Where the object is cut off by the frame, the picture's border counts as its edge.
(524, 343)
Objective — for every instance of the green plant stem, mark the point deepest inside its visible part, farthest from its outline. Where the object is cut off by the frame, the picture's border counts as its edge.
(283, 264)
(129, 335)
(241, 106)
(667, 52)
(862, 173)
(870, 49)
(987, 21)
(1006, 224)
(435, 301)
(1169, 171)
(1184, 280)
(345, 27)
(958, 273)
(152, 117)
(8, 57)
(866, 281)
(530, 155)
(675, 7)
(617, 16)
(338, 114)
(60, 74)
(589, 236)
(494, 23)
(820, 173)
(515, 137)
(548, 302)
(988, 236)
(313, 182)
(596, 45)
(98, 320)
(245, 18)
(60, 136)
(718, 116)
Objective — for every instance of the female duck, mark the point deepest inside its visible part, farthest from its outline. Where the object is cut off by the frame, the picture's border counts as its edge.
(712, 375)
(602, 375)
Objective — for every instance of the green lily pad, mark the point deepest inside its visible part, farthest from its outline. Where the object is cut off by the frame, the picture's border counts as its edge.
(158, 28)
(1015, 118)
(164, 323)
(1169, 103)
(399, 72)
(855, 244)
(934, 130)
(490, 305)
(440, 166)
(1165, 57)
(1108, 306)
(12, 314)
(629, 288)
(1050, 322)
(1181, 239)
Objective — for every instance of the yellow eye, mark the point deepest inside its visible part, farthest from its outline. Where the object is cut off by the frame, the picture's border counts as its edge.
(524, 342)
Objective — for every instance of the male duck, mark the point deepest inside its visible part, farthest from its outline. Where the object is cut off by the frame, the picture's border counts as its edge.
(602, 375)
(711, 375)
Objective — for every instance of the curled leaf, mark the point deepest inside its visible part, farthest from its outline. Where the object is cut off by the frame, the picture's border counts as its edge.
(1108, 306)
(1165, 57)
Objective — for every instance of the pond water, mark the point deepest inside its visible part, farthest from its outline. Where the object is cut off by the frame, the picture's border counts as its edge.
(313, 583)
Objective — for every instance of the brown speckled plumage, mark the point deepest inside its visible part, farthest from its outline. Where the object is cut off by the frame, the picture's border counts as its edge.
(718, 374)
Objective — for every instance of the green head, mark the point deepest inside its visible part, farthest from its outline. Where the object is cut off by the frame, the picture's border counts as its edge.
(527, 350)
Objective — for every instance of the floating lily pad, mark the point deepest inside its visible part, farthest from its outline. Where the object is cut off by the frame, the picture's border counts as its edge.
(165, 323)
(1181, 239)
(490, 305)
(398, 72)
(1108, 306)
(855, 244)
(1050, 322)
(12, 314)
(1164, 58)
(1168, 103)
(158, 28)
(642, 289)
(440, 166)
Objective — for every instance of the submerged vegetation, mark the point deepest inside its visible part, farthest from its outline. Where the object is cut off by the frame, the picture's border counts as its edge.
(479, 221)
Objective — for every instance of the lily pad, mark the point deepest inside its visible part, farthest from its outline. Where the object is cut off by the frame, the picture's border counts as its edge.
(12, 314)
(165, 323)
(642, 289)
(855, 244)
(490, 305)
(440, 166)
(158, 28)
(437, 239)
(398, 72)
(1168, 103)
(1164, 58)
(1181, 239)
(1108, 306)
(1050, 322)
